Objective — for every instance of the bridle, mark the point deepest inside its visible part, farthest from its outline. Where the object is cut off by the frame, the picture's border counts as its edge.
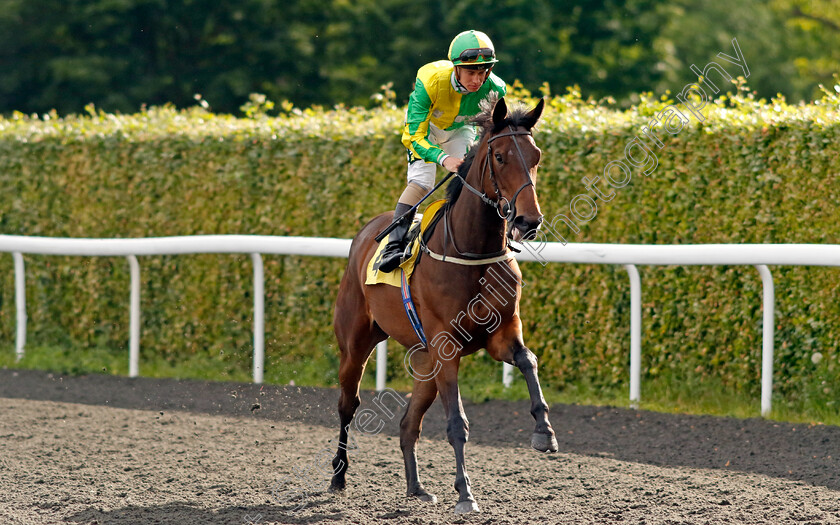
(504, 207)
(506, 210)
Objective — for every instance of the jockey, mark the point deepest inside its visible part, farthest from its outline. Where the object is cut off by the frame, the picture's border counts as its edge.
(446, 94)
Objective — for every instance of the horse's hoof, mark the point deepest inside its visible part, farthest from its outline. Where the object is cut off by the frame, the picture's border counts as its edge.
(338, 490)
(465, 507)
(424, 497)
(544, 442)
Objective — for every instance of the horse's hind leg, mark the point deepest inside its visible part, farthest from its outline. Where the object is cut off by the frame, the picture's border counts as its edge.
(350, 375)
(357, 336)
(411, 425)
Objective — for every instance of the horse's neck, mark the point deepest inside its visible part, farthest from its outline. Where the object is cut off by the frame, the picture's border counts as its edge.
(475, 226)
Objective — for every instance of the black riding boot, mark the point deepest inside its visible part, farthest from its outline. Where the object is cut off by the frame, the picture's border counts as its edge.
(393, 252)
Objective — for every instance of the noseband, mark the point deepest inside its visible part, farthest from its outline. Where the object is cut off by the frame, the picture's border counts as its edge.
(504, 207)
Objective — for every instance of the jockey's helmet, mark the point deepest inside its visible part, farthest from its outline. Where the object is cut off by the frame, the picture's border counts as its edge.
(473, 50)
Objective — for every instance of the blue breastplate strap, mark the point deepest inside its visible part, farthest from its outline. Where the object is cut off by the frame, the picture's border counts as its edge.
(410, 310)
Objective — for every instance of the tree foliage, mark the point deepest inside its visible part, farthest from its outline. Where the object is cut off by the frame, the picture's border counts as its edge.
(120, 54)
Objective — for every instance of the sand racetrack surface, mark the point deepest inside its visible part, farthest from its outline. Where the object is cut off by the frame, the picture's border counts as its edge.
(103, 449)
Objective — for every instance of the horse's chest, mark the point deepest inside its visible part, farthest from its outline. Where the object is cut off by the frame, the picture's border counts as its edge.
(473, 311)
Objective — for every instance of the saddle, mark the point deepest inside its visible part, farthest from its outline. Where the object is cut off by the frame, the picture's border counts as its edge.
(423, 224)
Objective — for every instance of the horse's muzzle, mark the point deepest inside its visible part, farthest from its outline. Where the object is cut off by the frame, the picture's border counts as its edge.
(523, 229)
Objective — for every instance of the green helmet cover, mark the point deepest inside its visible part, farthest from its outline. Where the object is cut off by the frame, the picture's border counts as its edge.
(472, 48)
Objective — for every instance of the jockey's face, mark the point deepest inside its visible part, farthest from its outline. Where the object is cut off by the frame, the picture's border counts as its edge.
(470, 78)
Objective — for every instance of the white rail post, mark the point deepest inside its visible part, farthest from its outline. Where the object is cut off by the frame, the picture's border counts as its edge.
(769, 304)
(635, 334)
(259, 318)
(381, 364)
(507, 374)
(20, 304)
(134, 319)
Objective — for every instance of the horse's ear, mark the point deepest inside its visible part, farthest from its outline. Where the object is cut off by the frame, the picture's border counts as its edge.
(500, 111)
(534, 115)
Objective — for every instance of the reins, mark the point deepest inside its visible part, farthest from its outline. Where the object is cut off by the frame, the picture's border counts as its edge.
(504, 207)
(507, 210)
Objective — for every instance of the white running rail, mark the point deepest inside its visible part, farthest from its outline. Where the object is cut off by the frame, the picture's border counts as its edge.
(255, 245)
(627, 255)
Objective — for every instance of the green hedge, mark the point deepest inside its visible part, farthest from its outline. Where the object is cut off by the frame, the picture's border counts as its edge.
(752, 172)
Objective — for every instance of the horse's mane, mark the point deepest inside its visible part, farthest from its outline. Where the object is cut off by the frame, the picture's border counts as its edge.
(484, 120)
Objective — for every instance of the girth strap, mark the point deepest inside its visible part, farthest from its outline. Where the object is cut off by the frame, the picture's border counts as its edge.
(467, 262)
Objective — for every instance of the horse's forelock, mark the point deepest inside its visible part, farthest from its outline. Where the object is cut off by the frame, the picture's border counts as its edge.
(516, 117)
(484, 117)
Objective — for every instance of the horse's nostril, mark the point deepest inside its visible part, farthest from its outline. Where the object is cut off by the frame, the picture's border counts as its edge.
(528, 228)
(521, 220)
(523, 224)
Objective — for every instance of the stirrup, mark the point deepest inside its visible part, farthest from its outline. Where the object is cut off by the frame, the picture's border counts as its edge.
(397, 258)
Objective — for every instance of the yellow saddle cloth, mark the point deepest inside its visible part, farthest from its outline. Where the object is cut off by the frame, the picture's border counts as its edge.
(393, 278)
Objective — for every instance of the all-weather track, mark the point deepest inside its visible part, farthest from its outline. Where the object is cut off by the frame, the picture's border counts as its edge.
(103, 449)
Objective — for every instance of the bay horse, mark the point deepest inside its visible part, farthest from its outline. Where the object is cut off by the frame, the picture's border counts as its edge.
(464, 294)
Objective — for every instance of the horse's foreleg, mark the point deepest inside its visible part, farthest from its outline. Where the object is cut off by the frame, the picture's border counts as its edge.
(422, 397)
(458, 432)
(543, 437)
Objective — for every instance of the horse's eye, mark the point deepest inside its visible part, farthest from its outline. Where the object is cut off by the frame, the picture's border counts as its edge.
(499, 158)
